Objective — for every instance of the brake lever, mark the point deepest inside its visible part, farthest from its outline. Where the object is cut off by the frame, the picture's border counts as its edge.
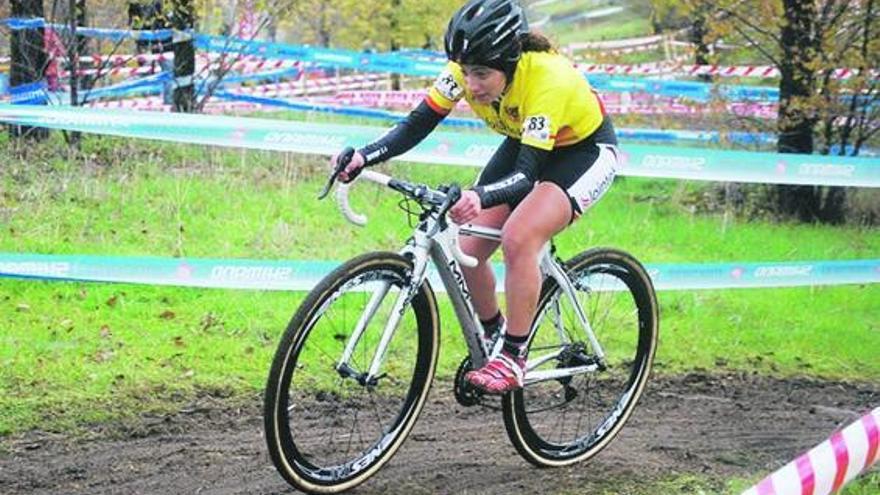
(453, 194)
(342, 161)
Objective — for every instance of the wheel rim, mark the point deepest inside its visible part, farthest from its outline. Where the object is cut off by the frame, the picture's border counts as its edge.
(574, 418)
(334, 428)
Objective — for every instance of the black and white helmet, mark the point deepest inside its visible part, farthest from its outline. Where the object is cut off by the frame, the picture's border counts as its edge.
(486, 32)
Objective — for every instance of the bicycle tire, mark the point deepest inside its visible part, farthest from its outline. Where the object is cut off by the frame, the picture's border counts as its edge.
(538, 418)
(311, 412)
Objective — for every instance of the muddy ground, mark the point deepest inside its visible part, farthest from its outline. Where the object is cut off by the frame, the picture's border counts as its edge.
(715, 426)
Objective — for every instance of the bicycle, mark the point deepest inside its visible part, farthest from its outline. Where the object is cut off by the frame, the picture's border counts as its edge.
(354, 367)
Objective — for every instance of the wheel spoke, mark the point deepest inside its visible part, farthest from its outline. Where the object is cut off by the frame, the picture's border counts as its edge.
(553, 427)
(324, 429)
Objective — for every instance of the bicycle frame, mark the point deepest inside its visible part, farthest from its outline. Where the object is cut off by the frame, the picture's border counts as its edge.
(435, 240)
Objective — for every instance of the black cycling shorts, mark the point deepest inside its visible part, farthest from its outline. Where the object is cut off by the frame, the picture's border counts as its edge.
(584, 170)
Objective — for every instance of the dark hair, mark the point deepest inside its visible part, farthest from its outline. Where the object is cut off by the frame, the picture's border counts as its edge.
(535, 42)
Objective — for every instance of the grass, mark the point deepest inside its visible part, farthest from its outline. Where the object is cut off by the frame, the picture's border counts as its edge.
(633, 21)
(567, 7)
(600, 30)
(76, 354)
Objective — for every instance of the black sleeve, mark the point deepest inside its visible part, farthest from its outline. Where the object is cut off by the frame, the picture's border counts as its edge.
(513, 187)
(403, 136)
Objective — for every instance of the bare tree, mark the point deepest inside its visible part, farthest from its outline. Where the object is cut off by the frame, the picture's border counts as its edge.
(807, 41)
(183, 19)
(28, 59)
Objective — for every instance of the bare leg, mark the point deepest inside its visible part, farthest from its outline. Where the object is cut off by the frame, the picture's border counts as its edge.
(541, 215)
(480, 279)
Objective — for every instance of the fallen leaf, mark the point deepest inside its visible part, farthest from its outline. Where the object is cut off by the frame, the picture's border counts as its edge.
(105, 332)
(112, 301)
(23, 308)
(103, 355)
(167, 315)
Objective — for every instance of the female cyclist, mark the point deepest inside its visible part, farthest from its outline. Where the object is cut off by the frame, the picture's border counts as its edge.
(558, 159)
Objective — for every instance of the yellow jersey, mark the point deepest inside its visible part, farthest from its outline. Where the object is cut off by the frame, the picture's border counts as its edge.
(549, 104)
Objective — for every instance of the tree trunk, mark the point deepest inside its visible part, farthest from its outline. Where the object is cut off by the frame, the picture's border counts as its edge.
(796, 122)
(394, 45)
(76, 45)
(699, 31)
(28, 59)
(183, 19)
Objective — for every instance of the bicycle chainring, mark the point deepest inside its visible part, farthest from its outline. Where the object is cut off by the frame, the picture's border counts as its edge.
(465, 393)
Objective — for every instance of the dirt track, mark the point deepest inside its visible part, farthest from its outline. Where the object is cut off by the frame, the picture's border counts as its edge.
(714, 426)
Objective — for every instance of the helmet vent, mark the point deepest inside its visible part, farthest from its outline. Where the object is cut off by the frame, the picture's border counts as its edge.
(484, 31)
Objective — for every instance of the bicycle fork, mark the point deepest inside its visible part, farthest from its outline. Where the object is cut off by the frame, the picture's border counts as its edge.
(372, 376)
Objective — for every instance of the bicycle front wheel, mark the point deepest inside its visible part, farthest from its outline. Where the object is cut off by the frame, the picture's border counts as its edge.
(563, 420)
(329, 427)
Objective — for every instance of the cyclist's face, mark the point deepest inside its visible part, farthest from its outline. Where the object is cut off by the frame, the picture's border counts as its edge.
(485, 83)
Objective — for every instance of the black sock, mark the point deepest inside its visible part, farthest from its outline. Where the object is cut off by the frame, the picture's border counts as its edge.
(493, 324)
(514, 345)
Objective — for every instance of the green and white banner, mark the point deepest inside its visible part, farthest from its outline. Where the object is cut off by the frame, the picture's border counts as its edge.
(303, 275)
(452, 148)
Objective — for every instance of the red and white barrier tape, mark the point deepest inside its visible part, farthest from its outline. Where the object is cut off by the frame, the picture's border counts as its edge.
(645, 42)
(157, 104)
(114, 71)
(326, 85)
(252, 66)
(122, 58)
(657, 69)
(115, 65)
(243, 67)
(757, 110)
(148, 103)
(314, 86)
(830, 465)
(614, 103)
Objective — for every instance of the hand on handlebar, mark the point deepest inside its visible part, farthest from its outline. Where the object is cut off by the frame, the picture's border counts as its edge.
(467, 208)
(352, 170)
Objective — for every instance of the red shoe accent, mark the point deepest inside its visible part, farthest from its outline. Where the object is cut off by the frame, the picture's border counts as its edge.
(500, 375)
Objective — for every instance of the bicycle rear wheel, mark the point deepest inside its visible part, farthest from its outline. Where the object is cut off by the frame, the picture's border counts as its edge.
(329, 430)
(566, 420)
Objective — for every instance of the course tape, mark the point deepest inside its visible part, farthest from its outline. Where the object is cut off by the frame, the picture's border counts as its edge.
(646, 69)
(102, 33)
(344, 105)
(357, 103)
(395, 63)
(615, 103)
(303, 275)
(691, 90)
(829, 466)
(442, 147)
(679, 69)
(429, 64)
(336, 109)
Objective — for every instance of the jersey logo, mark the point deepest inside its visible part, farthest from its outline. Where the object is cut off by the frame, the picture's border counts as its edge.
(537, 128)
(447, 86)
